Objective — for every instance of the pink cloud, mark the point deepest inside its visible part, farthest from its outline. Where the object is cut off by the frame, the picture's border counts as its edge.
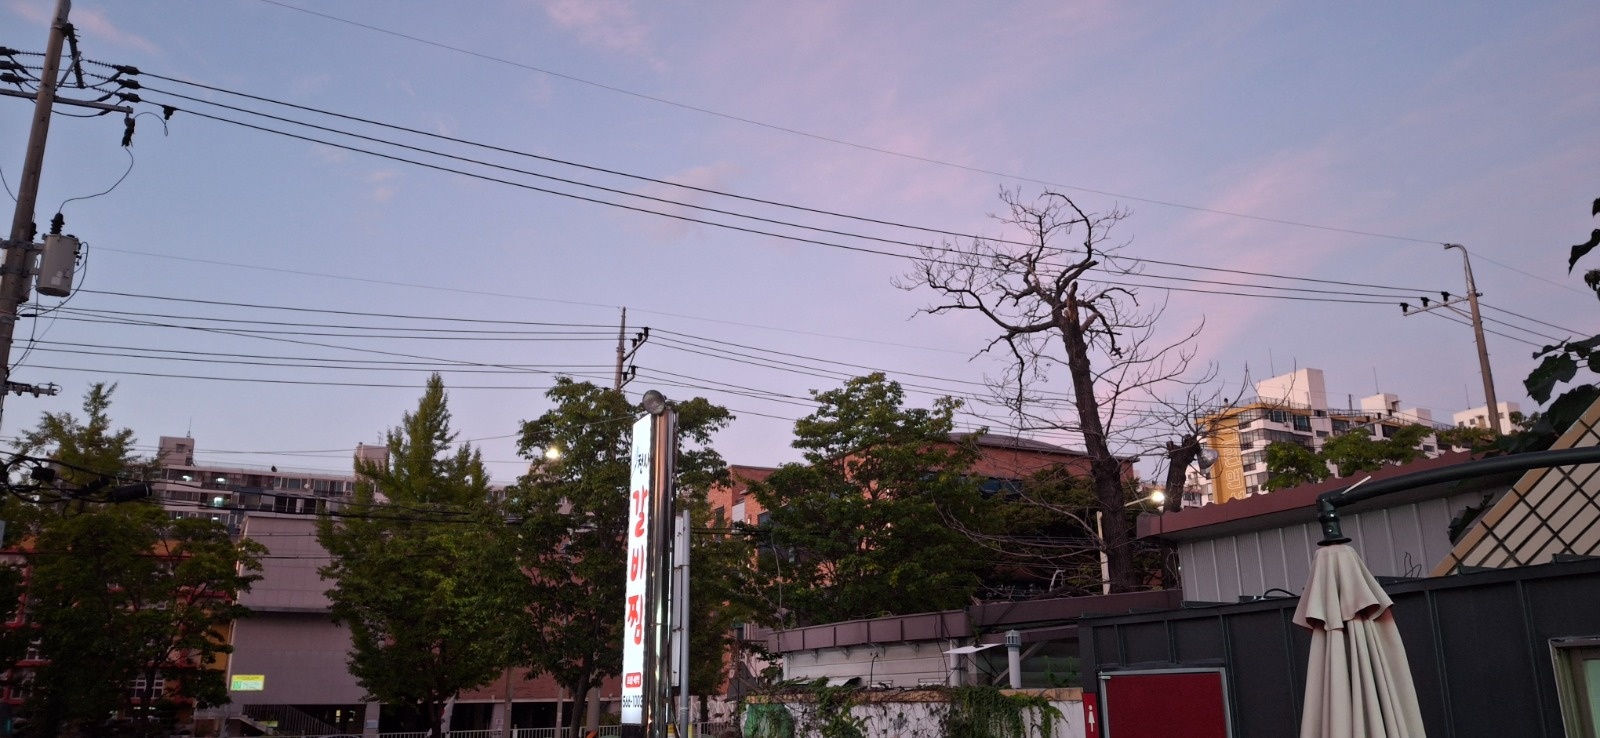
(607, 24)
(92, 24)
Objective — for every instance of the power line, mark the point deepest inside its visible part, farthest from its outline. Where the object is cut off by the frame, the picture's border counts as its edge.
(754, 231)
(692, 188)
(1524, 317)
(330, 311)
(842, 142)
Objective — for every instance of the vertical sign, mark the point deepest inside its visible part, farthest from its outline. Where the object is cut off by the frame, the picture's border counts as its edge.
(639, 461)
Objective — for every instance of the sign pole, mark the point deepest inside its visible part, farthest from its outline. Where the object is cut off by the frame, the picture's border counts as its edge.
(647, 647)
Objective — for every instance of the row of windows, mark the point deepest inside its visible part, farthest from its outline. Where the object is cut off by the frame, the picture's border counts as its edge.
(1263, 436)
(219, 480)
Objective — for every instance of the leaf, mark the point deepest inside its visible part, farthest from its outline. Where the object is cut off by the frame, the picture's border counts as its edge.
(1581, 249)
(1596, 210)
(1554, 369)
(1586, 346)
(1593, 280)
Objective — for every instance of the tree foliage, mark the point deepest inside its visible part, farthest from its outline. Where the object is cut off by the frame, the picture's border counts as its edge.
(120, 591)
(1560, 364)
(1291, 465)
(424, 568)
(858, 529)
(1039, 291)
(573, 505)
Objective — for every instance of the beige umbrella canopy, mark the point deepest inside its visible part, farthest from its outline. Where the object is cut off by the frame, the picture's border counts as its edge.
(1358, 683)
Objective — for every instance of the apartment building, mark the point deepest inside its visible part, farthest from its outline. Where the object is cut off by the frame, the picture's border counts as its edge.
(227, 493)
(1290, 408)
(1478, 417)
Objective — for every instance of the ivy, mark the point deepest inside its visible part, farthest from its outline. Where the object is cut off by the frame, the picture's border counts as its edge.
(814, 709)
(987, 712)
(768, 720)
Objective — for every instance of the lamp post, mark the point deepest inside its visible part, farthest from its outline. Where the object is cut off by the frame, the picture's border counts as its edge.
(1483, 349)
(1156, 497)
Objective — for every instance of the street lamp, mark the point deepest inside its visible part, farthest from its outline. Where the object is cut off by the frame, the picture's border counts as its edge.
(1156, 497)
(1483, 349)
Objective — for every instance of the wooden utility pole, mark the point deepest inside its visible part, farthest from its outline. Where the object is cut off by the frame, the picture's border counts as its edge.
(17, 270)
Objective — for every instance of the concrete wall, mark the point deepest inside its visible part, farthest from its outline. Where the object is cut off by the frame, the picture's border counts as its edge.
(289, 571)
(920, 715)
(891, 665)
(302, 656)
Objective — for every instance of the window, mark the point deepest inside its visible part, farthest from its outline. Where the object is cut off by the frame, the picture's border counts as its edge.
(1278, 416)
(157, 687)
(1577, 665)
(1302, 423)
(1006, 488)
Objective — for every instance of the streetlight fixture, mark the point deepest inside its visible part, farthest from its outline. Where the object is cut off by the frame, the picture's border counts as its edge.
(1483, 349)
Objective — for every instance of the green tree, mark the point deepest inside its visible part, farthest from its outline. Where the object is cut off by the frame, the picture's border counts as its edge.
(574, 506)
(1559, 364)
(425, 576)
(1351, 452)
(859, 529)
(119, 591)
(1291, 465)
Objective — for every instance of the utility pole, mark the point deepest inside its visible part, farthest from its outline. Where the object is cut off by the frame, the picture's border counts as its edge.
(16, 272)
(1483, 348)
(622, 332)
(623, 377)
(1477, 333)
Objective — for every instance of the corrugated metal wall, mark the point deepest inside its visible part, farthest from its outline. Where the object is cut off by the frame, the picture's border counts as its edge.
(1479, 647)
(1405, 540)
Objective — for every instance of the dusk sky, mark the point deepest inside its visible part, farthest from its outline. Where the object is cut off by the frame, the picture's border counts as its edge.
(1342, 142)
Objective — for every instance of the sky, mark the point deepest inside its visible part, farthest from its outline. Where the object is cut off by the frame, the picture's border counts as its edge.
(1342, 142)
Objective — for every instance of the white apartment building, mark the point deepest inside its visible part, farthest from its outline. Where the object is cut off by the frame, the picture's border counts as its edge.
(1478, 417)
(1292, 408)
(227, 493)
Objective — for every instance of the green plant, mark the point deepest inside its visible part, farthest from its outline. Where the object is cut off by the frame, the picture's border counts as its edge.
(768, 720)
(832, 717)
(987, 712)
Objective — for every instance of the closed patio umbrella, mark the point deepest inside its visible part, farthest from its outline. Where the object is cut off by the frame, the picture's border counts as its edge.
(1358, 682)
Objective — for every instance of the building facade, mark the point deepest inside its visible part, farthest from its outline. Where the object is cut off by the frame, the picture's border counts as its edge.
(1290, 408)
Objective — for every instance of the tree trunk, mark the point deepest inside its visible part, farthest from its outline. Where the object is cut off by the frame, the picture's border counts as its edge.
(1105, 471)
(1179, 456)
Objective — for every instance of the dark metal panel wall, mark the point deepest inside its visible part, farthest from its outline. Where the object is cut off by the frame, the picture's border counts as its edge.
(1478, 646)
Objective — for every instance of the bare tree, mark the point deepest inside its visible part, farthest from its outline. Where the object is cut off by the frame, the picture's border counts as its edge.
(1054, 294)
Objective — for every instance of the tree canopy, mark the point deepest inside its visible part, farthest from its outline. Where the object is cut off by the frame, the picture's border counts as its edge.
(858, 529)
(120, 591)
(424, 568)
(573, 506)
(1351, 452)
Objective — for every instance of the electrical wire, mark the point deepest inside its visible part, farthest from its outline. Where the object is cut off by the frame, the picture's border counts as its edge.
(669, 183)
(863, 147)
(756, 231)
(357, 313)
(126, 150)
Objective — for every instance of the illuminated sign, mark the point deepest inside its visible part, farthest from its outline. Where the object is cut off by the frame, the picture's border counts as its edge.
(633, 595)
